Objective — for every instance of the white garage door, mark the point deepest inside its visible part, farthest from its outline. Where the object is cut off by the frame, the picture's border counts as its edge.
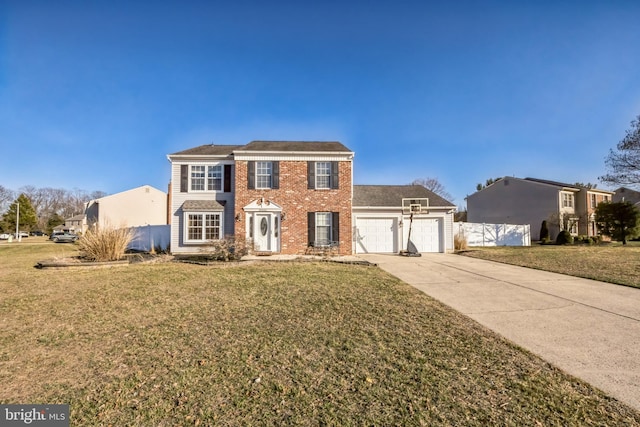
(376, 235)
(425, 234)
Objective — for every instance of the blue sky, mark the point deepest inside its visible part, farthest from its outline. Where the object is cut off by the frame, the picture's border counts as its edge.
(95, 94)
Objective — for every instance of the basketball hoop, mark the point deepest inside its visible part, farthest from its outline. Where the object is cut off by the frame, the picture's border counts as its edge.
(413, 207)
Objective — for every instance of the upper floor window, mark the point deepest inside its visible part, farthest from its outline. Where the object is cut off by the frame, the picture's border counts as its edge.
(264, 172)
(263, 175)
(214, 178)
(567, 200)
(205, 178)
(197, 178)
(322, 175)
(593, 201)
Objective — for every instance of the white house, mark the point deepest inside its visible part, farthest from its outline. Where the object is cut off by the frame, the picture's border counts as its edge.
(137, 207)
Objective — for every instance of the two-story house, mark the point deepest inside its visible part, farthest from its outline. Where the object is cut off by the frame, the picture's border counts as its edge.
(624, 194)
(284, 196)
(530, 201)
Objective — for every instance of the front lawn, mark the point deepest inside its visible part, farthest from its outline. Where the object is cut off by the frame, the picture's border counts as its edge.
(611, 262)
(265, 344)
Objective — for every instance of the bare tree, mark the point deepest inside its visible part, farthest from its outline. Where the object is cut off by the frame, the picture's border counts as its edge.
(623, 164)
(6, 198)
(52, 202)
(434, 185)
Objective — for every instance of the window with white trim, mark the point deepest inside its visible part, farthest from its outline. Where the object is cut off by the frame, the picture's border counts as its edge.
(264, 173)
(323, 175)
(593, 201)
(567, 200)
(197, 177)
(202, 227)
(206, 178)
(323, 228)
(574, 227)
(214, 178)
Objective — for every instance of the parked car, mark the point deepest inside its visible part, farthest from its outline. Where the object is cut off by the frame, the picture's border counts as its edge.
(22, 234)
(64, 237)
(5, 236)
(37, 233)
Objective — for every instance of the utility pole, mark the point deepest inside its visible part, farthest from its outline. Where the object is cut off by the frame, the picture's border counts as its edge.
(18, 236)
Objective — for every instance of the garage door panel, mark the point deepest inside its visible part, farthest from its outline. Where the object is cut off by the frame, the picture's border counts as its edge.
(425, 234)
(376, 235)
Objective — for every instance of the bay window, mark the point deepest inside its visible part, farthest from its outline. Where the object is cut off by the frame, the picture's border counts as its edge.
(203, 226)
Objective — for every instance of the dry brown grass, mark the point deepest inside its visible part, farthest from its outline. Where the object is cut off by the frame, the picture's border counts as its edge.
(265, 344)
(105, 243)
(460, 242)
(613, 263)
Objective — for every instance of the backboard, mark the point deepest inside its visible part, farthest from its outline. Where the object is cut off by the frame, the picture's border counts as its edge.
(414, 205)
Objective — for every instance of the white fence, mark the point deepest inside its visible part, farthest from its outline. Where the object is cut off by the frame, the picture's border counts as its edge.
(147, 237)
(494, 234)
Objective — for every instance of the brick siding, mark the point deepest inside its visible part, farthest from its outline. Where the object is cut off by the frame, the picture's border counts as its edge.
(296, 201)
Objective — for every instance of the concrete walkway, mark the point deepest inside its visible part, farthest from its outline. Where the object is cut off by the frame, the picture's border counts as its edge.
(587, 328)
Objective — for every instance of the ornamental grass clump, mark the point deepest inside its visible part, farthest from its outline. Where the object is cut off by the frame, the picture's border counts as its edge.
(105, 244)
(460, 242)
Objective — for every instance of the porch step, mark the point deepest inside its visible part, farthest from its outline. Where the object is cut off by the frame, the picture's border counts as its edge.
(262, 253)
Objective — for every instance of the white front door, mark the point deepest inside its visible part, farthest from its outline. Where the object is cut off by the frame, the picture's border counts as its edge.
(262, 232)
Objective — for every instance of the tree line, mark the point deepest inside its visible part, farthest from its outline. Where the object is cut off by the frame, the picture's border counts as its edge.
(41, 208)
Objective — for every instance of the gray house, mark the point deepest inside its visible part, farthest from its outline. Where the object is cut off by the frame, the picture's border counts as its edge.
(624, 194)
(530, 201)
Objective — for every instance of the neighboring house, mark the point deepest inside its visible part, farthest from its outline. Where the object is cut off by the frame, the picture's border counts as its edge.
(624, 194)
(381, 226)
(289, 196)
(75, 224)
(284, 196)
(530, 201)
(139, 206)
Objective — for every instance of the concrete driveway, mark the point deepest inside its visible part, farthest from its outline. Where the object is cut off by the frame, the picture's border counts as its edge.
(587, 328)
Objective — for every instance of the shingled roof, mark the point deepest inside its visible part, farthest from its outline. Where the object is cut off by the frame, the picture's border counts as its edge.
(295, 146)
(392, 195)
(203, 205)
(209, 150)
(554, 183)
